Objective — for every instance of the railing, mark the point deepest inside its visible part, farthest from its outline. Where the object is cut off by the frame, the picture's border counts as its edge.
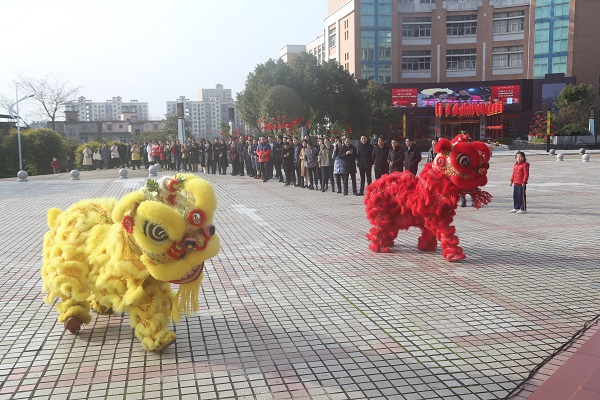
(509, 3)
(461, 5)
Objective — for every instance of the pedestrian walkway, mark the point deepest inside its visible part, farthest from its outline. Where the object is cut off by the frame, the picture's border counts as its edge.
(296, 306)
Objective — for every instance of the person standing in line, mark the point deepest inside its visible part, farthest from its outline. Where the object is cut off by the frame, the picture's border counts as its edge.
(216, 151)
(380, 158)
(287, 157)
(234, 155)
(242, 150)
(135, 156)
(87, 158)
(114, 156)
(339, 167)
(412, 156)
(431, 155)
(263, 154)
(277, 148)
(349, 153)
(223, 162)
(97, 159)
(395, 157)
(326, 164)
(519, 178)
(299, 181)
(209, 156)
(310, 161)
(365, 163)
(105, 153)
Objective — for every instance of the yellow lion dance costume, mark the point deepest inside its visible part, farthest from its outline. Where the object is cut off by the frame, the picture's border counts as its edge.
(122, 256)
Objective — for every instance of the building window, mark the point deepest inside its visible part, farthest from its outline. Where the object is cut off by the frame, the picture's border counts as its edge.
(461, 25)
(540, 67)
(461, 59)
(416, 27)
(385, 45)
(368, 72)
(542, 38)
(542, 9)
(109, 127)
(427, 1)
(384, 14)
(507, 57)
(332, 36)
(559, 64)
(367, 13)
(367, 41)
(416, 60)
(509, 22)
(560, 36)
(561, 8)
(385, 74)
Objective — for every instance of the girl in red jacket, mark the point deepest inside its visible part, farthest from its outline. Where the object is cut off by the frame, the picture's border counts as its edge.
(519, 178)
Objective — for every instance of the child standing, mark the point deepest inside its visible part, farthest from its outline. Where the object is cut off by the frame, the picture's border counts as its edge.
(519, 178)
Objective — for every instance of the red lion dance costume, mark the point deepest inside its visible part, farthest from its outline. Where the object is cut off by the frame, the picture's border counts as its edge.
(428, 201)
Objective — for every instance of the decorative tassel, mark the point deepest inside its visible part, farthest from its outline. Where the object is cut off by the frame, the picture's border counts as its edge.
(185, 301)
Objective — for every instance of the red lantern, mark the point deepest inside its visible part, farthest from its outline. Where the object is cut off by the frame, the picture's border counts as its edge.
(448, 110)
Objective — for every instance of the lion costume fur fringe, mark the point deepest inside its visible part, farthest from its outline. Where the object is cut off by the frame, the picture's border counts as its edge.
(428, 201)
(123, 255)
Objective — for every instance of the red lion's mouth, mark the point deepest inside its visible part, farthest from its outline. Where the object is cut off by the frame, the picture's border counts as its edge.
(190, 276)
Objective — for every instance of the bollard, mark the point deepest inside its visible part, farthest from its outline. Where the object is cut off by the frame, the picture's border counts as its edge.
(74, 175)
(153, 171)
(552, 151)
(22, 175)
(159, 167)
(585, 158)
(123, 173)
(582, 151)
(560, 157)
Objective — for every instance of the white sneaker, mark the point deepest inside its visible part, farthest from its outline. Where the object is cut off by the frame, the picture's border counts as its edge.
(522, 212)
(514, 210)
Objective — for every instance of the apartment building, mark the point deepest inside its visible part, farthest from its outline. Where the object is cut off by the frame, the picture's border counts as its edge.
(206, 115)
(109, 110)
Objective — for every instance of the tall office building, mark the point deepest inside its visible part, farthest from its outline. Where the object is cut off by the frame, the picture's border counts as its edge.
(110, 110)
(394, 41)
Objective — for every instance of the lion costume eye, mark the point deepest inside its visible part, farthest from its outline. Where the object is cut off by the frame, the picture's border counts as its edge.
(463, 160)
(155, 232)
(196, 217)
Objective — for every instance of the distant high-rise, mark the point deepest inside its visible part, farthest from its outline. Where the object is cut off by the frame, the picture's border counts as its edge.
(110, 110)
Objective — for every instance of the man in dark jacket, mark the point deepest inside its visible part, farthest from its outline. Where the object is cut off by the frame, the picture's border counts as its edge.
(241, 146)
(380, 158)
(348, 153)
(412, 156)
(365, 163)
(276, 155)
(216, 150)
(396, 157)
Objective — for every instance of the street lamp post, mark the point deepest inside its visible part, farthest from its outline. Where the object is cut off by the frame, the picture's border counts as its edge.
(21, 174)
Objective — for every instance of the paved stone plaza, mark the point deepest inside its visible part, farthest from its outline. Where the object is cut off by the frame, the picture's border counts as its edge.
(296, 306)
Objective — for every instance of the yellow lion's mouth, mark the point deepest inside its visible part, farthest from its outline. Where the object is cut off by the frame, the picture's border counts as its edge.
(190, 276)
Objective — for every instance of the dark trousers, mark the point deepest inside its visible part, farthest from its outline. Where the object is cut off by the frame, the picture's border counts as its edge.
(249, 168)
(378, 173)
(353, 177)
(289, 173)
(215, 162)
(264, 170)
(338, 179)
(519, 198)
(278, 174)
(326, 177)
(365, 176)
(299, 178)
(313, 177)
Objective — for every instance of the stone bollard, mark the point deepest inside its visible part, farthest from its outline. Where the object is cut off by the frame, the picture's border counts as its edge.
(159, 167)
(153, 171)
(123, 173)
(22, 175)
(585, 158)
(552, 151)
(74, 175)
(582, 151)
(560, 157)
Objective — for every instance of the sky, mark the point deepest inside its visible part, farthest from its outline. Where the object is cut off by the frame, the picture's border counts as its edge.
(148, 50)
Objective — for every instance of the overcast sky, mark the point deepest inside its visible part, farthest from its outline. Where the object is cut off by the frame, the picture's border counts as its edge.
(148, 50)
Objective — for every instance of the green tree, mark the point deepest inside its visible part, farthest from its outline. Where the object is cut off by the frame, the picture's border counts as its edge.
(282, 104)
(170, 129)
(382, 114)
(574, 103)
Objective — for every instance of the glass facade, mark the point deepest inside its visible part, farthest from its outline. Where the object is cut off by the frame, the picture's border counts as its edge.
(376, 40)
(551, 37)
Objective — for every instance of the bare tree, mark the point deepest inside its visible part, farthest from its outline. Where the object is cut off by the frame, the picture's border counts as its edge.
(51, 92)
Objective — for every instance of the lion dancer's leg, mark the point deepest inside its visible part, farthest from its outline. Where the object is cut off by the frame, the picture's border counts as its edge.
(150, 316)
(451, 251)
(67, 281)
(381, 215)
(427, 241)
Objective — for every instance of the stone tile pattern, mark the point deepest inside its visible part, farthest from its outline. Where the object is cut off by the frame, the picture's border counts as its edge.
(296, 306)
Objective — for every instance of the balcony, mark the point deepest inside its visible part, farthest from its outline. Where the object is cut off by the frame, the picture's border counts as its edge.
(461, 5)
(415, 7)
(508, 3)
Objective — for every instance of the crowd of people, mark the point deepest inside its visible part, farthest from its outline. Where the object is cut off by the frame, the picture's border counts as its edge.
(311, 163)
